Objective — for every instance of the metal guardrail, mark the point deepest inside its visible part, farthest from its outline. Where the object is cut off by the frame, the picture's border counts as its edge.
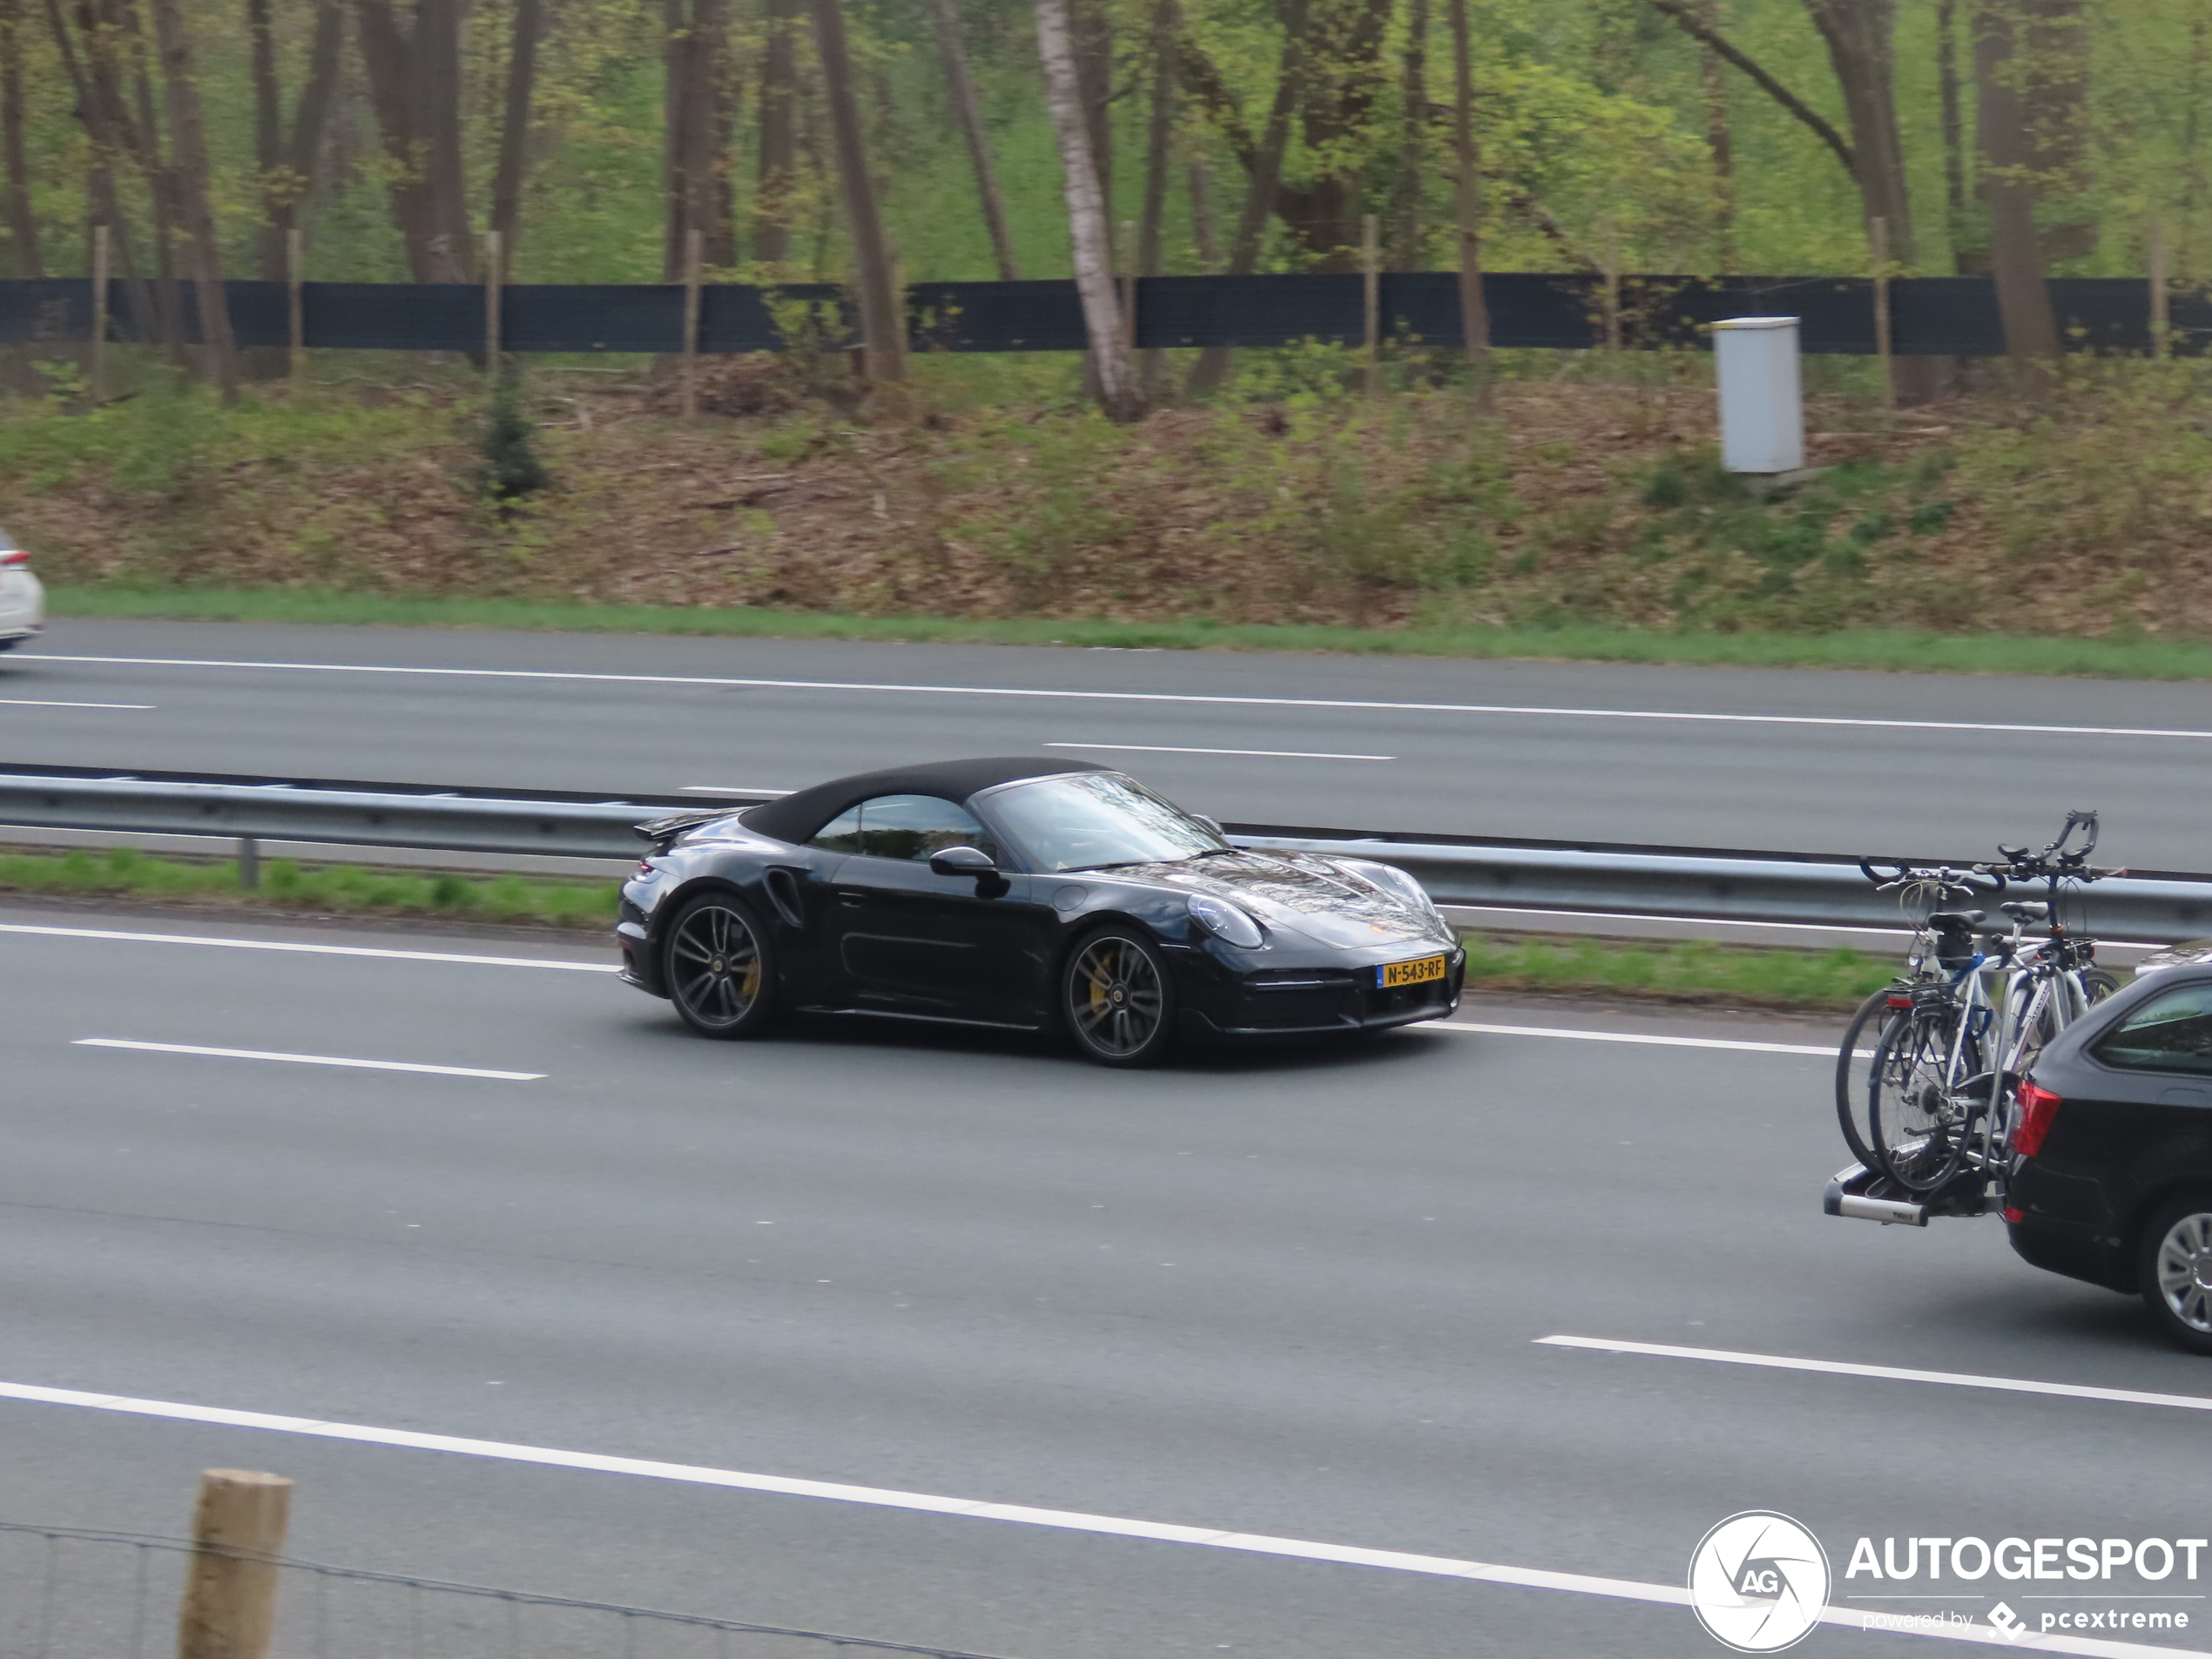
(1668, 882)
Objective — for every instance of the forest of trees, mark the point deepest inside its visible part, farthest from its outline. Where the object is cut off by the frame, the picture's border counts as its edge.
(860, 141)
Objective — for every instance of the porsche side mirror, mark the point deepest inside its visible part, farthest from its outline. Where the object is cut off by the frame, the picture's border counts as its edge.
(962, 860)
(970, 861)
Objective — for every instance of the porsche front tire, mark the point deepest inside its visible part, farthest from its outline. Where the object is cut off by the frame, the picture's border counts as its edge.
(1117, 998)
(718, 966)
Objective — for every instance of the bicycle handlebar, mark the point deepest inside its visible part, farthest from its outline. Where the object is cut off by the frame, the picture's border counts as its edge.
(1945, 879)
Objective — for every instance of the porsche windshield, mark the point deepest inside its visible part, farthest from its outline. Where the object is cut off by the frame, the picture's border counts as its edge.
(1092, 819)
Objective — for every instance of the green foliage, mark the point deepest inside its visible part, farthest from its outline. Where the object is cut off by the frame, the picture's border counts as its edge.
(511, 468)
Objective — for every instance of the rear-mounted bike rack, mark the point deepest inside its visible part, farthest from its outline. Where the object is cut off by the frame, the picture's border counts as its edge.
(1860, 1194)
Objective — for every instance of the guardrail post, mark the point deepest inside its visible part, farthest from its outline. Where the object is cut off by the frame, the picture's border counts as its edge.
(231, 1586)
(249, 862)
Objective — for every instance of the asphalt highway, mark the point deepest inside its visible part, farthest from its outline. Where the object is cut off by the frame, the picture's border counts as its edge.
(1921, 765)
(1299, 1294)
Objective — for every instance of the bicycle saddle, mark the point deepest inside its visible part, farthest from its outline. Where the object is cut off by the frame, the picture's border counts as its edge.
(2021, 910)
(1958, 918)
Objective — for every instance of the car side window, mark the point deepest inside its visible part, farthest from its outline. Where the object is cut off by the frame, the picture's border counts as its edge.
(912, 828)
(2168, 1033)
(841, 833)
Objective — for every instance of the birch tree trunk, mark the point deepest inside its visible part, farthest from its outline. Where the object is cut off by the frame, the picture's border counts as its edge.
(1117, 388)
(883, 323)
(1467, 195)
(188, 145)
(960, 87)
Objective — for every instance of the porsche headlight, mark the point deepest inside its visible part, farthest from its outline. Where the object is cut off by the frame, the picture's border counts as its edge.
(1226, 922)
(1395, 882)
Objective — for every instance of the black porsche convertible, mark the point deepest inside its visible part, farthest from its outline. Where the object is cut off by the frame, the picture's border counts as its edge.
(1028, 895)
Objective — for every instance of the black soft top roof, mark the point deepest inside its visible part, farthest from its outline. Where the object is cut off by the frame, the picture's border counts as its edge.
(796, 817)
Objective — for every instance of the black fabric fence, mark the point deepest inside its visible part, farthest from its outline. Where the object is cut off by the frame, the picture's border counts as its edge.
(1932, 316)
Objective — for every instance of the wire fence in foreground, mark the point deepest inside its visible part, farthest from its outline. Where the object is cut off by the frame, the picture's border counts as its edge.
(72, 1593)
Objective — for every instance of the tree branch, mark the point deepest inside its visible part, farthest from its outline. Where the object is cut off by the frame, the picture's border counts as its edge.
(1691, 25)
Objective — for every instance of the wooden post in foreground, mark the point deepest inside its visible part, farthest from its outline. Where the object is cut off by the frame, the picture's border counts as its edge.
(493, 278)
(694, 257)
(230, 1585)
(1371, 286)
(296, 304)
(2160, 309)
(1125, 256)
(99, 313)
(1879, 228)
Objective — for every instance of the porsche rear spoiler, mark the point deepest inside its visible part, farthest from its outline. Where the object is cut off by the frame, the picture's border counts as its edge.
(663, 832)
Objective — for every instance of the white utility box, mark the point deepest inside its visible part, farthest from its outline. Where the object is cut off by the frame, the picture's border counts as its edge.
(1763, 404)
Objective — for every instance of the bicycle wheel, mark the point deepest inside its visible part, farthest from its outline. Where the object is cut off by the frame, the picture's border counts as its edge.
(1920, 1127)
(1854, 1067)
(2099, 984)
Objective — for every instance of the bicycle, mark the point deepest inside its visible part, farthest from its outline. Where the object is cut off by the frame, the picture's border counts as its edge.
(1939, 1089)
(1939, 952)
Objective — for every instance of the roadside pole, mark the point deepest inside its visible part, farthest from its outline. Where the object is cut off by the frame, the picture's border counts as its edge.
(231, 1586)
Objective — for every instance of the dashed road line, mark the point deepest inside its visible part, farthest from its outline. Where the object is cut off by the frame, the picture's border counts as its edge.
(307, 1059)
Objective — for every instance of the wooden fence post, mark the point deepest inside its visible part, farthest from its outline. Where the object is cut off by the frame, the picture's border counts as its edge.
(493, 279)
(2160, 309)
(230, 1585)
(1879, 228)
(694, 255)
(1125, 256)
(99, 313)
(1371, 292)
(296, 303)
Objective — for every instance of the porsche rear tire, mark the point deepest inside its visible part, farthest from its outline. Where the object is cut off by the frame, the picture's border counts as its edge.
(1118, 997)
(718, 966)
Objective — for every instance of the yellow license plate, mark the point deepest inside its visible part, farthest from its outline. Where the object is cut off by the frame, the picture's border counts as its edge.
(1416, 973)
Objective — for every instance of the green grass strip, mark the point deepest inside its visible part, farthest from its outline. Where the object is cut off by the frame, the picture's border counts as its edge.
(1854, 649)
(1689, 970)
(287, 885)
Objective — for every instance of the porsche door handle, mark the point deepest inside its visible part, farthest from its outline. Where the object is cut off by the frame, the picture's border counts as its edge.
(851, 899)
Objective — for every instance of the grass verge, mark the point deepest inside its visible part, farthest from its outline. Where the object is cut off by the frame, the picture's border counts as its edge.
(1870, 649)
(1685, 971)
(287, 885)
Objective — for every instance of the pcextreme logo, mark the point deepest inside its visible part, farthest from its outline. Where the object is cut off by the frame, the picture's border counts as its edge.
(1758, 1581)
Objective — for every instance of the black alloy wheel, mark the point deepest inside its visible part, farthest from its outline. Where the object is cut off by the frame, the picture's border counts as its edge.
(1119, 1000)
(2173, 1270)
(718, 969)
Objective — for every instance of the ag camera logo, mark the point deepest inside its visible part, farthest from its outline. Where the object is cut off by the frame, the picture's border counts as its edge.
(1759, 1581)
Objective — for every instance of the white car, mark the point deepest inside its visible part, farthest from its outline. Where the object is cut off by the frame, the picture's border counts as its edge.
(22, 601)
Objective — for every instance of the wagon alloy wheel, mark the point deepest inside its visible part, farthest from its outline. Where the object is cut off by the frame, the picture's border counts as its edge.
(2185, 1271)
(1120, 1003)
(718, 972)
(2173, 1269)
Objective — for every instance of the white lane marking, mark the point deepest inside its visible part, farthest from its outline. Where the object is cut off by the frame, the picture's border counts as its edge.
(1018, 1514)
(57, 703)
(307, 1059)
(311, 950)
(1144, 697)
(1896, 1374)
(1173, 748)
(1625, 1036)
(731, 789)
